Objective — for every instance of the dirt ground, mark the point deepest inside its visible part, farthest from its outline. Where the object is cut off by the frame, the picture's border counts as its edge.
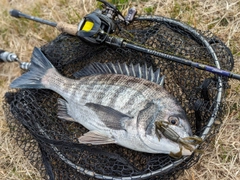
(221, 160)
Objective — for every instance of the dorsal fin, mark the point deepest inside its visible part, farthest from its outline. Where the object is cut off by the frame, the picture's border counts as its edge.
(130, 70)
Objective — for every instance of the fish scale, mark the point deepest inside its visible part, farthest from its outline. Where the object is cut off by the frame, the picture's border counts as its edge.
(117, 103)
(109, 94)
(88, 88)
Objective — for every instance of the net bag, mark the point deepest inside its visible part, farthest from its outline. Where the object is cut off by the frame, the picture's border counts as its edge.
(51, 144)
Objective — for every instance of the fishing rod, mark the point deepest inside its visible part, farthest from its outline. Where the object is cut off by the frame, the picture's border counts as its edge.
(98, 26)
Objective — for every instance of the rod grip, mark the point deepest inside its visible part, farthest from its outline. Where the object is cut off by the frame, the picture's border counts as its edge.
(67, 28)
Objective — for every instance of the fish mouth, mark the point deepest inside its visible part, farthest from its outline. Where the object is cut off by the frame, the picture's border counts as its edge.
(187, 144)
(163, 128)
(182, 152)
(186, 152)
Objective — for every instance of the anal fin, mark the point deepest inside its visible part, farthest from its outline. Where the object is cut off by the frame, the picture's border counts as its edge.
(95, 138)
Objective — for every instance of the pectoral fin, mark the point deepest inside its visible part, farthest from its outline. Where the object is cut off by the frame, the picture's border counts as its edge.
(110, 117)
(95, 138)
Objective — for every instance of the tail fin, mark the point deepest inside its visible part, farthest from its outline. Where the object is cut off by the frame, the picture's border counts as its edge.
(32, 79)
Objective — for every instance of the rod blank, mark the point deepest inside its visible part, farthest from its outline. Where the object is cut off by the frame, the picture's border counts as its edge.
(182, 61)
(116, 41)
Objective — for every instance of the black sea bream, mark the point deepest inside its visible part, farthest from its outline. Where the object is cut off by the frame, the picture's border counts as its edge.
(117, 103)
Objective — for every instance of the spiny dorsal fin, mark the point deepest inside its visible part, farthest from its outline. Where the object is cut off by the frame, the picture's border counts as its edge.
(130, 70)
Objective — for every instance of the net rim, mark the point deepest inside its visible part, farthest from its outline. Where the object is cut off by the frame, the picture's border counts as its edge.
(169, 167)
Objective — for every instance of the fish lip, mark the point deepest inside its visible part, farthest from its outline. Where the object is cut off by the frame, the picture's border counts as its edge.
(186, 152)
(185, 149)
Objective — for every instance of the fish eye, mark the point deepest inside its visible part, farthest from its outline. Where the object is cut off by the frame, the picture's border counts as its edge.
(173, 120)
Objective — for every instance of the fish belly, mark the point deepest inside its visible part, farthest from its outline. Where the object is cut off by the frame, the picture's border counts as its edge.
(127, 137)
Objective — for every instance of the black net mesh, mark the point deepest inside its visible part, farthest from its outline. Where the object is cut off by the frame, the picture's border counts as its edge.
(51, 143)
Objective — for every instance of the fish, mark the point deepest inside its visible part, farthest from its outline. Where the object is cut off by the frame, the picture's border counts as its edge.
(118, 103)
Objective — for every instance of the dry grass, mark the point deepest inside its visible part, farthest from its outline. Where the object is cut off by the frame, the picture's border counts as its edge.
(221, 160)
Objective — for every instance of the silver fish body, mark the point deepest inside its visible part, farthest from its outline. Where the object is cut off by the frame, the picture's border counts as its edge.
(116, 103)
